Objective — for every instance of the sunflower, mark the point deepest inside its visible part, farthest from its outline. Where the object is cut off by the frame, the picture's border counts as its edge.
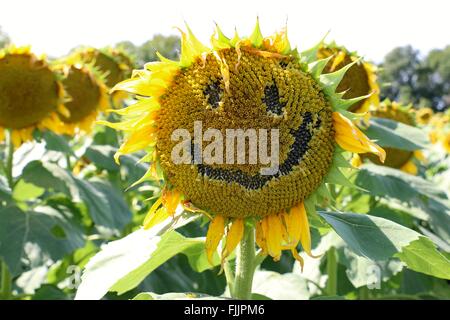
(31, 96)
(445, 141)
(88, 95)
(359, 80)
(243, 83)
(424, 116)
(404, 160)
(114, 65)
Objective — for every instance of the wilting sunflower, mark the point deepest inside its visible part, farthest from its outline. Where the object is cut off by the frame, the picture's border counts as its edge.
(30, 95)
(395, 158)
(243, 83)
(424, 116)
(114, 65)
(359, 80)
(88, 96)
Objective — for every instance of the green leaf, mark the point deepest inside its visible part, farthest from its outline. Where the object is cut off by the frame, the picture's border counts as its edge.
(49, 292)
(389, 133)
(424, 196)
(379, 239)
(43, 229)
(24, 191)
(121, 265)
(276, 286)
(56, 142)
(102, 156)
(421, 256)
(105, 205)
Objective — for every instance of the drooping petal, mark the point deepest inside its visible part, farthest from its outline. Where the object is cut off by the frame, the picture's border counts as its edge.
(214, 235)
(293, 224)
(233, 238)
(260, 237)
(298, 258)
(171, 200)
(272, 227)
(305, 235)
(350, 138)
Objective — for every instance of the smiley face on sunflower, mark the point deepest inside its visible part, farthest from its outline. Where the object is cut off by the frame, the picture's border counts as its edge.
(243, 83)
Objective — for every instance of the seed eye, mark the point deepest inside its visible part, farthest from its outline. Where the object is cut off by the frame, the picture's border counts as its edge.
(213, 93)
(272, 99)
(284, 64)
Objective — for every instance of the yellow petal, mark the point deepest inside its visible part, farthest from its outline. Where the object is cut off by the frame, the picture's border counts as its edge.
(214, 235)
(272, 227)
(234, 236)
(356, 161)
(350, 138)
(298, 258)
(260, 237)
(305, 236)
(337, 60)
(16, 139)
(293, 224)
(159, 216)
(410, 168)
(171, 200)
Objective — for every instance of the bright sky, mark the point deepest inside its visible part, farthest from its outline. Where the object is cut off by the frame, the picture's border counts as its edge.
(372, 27)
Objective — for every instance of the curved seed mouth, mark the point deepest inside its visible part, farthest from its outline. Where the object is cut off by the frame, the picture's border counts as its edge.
(302, 137)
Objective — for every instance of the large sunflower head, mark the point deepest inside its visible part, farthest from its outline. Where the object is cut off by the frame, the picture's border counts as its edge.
(30, 95)
(359, 80)
(87, 96)
(258, 86)
(395, 158)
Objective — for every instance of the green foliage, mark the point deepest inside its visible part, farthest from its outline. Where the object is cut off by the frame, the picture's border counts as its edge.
(413, 79)
(167, 46)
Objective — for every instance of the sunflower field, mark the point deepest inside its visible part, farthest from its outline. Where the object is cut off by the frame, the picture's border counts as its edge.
(119, 179)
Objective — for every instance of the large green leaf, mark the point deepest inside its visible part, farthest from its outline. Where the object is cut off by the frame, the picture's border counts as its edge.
(424, 197)
(380, 239)
(44, 229)
(422, 256)
(102, 156)
(287, 286)
(24, 191)
(122, 264)
(389, 133)
(55, 142)
(105, 205)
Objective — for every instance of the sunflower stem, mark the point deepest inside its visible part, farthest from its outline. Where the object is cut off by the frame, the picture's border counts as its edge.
(5, 281)
(229, 275)
(68, 162)
(9, 160)
(245, 265)
(332, 272)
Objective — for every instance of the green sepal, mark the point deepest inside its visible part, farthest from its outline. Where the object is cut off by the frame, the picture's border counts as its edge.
(257, 38)
(330, 81)
(316, 67)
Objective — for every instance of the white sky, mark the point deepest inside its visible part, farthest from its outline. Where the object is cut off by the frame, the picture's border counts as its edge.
(371, 27)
